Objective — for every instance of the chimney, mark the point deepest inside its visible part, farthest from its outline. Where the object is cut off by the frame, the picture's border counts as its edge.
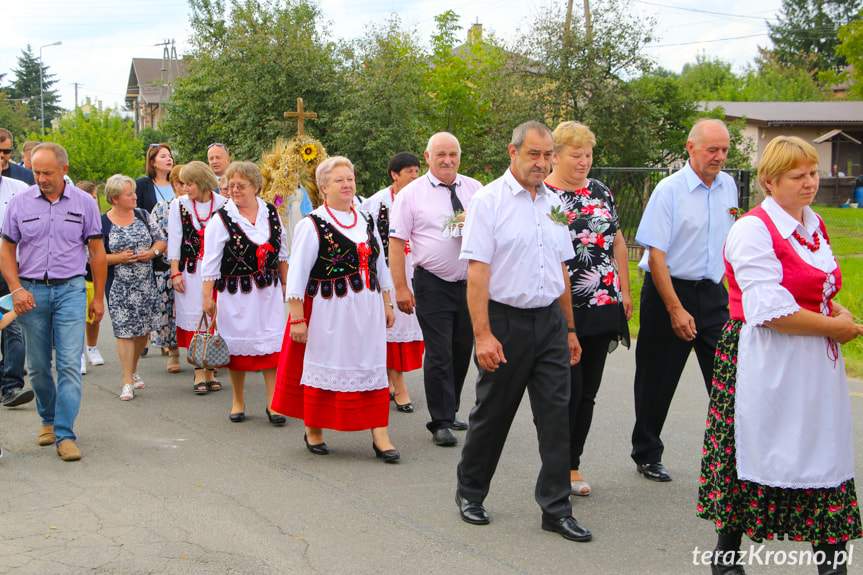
(474, 35)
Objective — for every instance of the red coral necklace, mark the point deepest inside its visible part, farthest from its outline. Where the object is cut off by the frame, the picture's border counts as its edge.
(335, 219)
(210, 215)
(812, 247)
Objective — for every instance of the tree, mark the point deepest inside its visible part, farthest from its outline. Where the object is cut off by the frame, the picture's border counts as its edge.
(382, 104)
(149, 136)
(99, 143)
(246, 70)
(14, 116)
(709, 79)
(581, 74)
(25, 87)
(771, 81)
(807, 33)
(851, 48)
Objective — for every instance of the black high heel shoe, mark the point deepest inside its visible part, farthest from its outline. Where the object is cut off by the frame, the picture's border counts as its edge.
(389, 456)
(318, 448)
(238, 417)
(277, 419)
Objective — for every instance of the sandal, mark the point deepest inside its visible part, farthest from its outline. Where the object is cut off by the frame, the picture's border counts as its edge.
(137, 382)
(200, 387)
(214, 385)
(174, 363)
(127, 393)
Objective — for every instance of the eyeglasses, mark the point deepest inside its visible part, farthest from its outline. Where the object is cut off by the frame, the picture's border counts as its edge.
(223, 146)
(239, 187)
(6, 150)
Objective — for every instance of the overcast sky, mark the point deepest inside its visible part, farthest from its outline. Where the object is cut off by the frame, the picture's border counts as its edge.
(100, 37)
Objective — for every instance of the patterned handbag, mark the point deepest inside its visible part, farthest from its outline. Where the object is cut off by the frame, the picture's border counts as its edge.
(208, 350)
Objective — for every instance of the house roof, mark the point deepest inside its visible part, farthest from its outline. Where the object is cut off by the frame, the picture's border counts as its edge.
(146, 77)
(841, 113)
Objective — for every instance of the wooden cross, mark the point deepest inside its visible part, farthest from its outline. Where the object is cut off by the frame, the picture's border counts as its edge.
(300, 115)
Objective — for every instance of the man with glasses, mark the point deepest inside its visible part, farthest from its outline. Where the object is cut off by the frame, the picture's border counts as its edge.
(219, 159)
(11, 169)
(12, 392)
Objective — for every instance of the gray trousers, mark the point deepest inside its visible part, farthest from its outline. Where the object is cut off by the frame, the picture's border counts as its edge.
(535, 346)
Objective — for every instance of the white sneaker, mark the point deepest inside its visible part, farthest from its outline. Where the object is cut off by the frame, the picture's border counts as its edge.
(83, 364)
(94, 356)
(137, 382)
(127, 393)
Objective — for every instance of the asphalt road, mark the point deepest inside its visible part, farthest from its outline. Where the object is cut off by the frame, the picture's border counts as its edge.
(169, 485)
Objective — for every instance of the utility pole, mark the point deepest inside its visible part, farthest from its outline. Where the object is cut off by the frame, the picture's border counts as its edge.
(76, 95)
(588, 27)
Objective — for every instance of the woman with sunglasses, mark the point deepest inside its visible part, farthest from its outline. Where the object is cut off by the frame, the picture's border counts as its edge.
(155, 187)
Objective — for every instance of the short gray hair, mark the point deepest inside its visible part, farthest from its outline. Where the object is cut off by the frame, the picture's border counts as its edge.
(322, 174)
(116, 185)
(247, 170)
(520, 132)
(431, 141)
(59, 152)
(698, 127)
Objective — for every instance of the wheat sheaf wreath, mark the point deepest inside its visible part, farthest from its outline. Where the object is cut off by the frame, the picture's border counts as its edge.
(286, 166)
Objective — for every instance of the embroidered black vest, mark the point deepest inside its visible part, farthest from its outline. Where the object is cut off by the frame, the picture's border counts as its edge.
(338, 263)
(192, 244)
(384, 230)
(240, 256)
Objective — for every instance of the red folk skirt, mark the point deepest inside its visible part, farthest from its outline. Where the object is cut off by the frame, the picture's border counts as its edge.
(342, 411)
(405, 356)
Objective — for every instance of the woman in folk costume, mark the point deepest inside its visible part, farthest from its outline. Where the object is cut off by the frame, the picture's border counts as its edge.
(188, 217)
(405, 338)
(778, 456)
(246, 263)
(332, 371)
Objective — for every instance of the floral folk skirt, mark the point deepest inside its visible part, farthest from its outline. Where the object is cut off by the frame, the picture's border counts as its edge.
(761, 511)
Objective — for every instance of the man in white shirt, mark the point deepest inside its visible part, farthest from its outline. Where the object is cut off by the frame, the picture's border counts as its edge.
(520, 306)
(12, 393)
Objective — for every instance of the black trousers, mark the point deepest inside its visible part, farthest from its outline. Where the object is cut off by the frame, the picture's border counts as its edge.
(660, 356)
(537, 359)
(585, 376)
(448, 334)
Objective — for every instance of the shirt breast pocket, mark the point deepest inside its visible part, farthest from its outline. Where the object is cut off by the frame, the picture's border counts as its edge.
(32, 228)
(71, 226)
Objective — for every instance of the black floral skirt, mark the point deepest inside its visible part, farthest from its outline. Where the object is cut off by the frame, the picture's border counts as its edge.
(761, 511)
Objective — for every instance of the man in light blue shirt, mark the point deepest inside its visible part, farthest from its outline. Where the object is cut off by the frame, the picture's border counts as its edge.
(683, 302)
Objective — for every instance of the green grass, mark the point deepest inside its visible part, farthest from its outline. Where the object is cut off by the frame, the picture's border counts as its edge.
(845, 228)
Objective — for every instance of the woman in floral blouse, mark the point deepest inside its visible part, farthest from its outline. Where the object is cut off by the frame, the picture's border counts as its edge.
(599, 276)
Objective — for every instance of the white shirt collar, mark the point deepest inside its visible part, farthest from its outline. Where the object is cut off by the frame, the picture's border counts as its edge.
(785, 222)
(515, 187)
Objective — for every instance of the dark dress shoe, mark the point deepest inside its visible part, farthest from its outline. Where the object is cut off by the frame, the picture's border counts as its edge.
(723, 569)
(389, 456)
(444, 437)
(471, 511)
(17, 396)
(238, 417)
(404, 407)
(654, 471)
(568, 528)
(277, 419)
(459, 424)
(318, 448)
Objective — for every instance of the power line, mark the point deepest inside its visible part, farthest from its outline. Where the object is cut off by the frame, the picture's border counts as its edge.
(708, 41)
(699, 11)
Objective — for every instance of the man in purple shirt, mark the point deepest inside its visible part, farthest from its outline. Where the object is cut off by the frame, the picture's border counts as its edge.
(52, 225)
(421, 213)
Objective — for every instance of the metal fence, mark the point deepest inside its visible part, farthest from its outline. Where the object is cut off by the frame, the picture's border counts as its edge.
(631, 188)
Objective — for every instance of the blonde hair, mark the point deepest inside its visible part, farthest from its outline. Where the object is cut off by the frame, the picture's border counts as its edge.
(322, 174)
(115, 186)
(200, 174)
(573, 134)
(174, 176)
(783, 154)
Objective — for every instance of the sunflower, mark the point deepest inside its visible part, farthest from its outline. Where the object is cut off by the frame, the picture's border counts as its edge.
(308, 152)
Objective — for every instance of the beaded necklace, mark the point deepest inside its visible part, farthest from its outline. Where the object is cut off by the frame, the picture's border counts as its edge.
(812, 247)
(201, 220)
(335, 219)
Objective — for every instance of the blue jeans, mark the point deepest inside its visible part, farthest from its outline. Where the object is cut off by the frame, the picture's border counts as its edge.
(12, 348)
(58, 320)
